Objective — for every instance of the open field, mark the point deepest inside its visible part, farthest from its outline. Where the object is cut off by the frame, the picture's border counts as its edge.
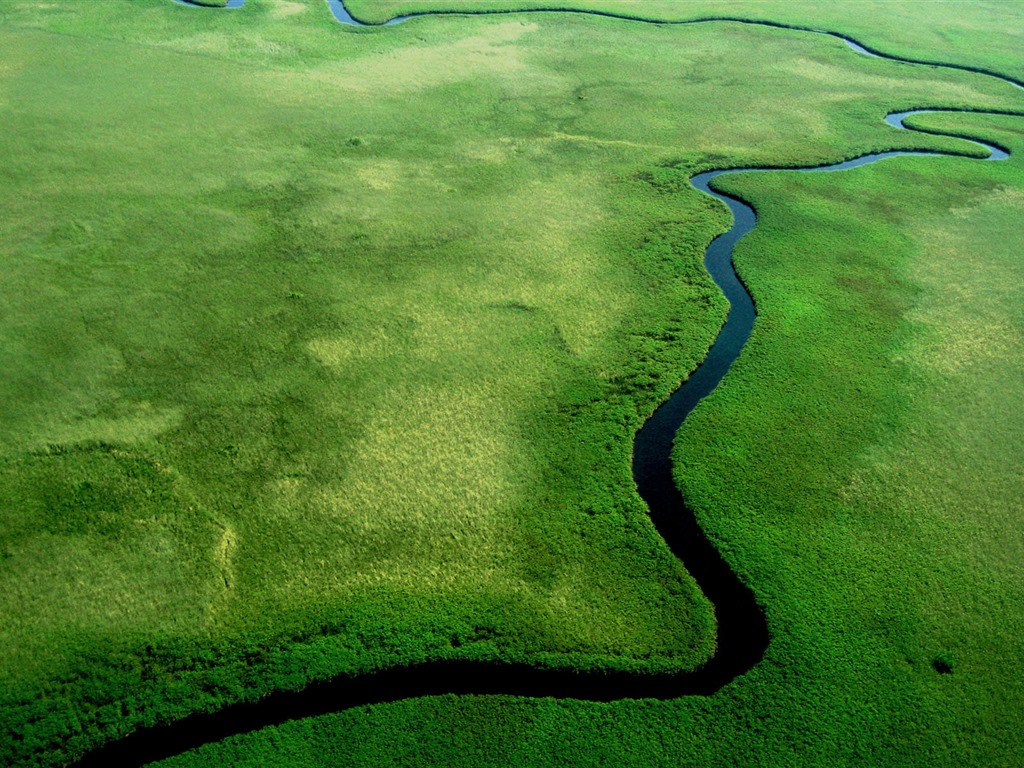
(881, 556)
(325, 349)
(987, 33)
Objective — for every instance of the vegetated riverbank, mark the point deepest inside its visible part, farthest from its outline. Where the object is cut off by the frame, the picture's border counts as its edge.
(658, 183)
(891, 317)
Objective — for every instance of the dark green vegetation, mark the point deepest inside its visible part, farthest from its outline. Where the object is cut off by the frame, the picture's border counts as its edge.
(326, 350)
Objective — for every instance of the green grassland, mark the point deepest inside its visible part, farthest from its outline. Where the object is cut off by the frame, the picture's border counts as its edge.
(859, 469)
(324, 350)
(988, 34)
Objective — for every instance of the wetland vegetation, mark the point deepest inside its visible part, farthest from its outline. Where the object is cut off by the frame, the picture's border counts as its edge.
(326, 348)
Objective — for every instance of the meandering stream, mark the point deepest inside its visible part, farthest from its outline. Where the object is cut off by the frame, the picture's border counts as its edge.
(742, 630)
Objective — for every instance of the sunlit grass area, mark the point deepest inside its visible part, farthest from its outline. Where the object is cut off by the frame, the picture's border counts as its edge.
(324, 349)
(988, 34)
(858, 468)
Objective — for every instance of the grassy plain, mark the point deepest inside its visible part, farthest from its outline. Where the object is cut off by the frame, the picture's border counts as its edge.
(326, 348)
(859, 469)
(988, 34)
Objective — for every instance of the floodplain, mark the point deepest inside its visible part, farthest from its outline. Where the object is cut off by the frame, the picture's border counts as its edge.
(325, 349)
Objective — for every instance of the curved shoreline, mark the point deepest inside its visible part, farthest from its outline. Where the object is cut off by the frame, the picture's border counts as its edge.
(742, 629)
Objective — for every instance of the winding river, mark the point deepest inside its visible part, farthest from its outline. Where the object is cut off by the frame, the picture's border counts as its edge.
(742, 630)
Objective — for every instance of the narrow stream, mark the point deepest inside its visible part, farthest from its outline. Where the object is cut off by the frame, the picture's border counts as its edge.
(742, 631)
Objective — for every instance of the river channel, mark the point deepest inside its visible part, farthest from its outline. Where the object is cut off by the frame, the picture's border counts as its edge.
(742, 631)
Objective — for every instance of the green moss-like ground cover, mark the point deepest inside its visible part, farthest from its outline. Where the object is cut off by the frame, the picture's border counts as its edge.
(325, 350)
